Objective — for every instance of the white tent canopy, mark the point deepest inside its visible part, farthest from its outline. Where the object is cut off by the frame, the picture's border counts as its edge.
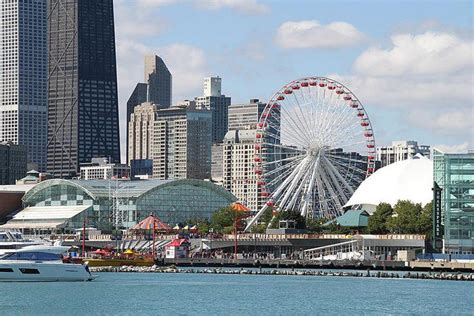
(44, 217)
(410, 179)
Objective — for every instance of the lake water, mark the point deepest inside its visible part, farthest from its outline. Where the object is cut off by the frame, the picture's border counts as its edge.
(210, 294)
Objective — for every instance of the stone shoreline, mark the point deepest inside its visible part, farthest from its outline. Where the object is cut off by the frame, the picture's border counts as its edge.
(368, 274)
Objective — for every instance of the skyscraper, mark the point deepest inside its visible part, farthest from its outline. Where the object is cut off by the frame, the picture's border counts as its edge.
(176, 139)
(82, 85)
(182, 144)
(245, 116)
(159, 81)
(23, 73)
(156, 89)
(218, 104)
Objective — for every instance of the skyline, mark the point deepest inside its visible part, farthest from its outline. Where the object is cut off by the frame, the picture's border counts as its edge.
(426, 53)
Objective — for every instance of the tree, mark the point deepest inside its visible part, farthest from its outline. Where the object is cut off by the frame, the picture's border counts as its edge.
(201, 223)
(405, 218)
(315, 225)
(223, 220)
(425, 224)
(300, 221)
(378, 220)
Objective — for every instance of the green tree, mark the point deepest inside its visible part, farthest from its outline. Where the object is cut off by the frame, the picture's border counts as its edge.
(378, 220)
(405, 218)
(300, 221)
(314, 225)
(201, 223)
(335, 228)
(425, 224)
(223, 220)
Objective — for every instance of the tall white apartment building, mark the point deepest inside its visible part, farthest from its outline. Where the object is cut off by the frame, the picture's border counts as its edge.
(238, 165)
(140, 128)
(212, 87)
(401, 150)
(23, 77)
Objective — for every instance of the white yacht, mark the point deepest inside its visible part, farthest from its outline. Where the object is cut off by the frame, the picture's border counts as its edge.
(13, 240)
(41, 263)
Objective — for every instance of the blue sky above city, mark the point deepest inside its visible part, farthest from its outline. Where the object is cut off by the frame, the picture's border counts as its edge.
(410, 63)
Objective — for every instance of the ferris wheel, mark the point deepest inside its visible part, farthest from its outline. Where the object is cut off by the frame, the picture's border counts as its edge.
(314, 145)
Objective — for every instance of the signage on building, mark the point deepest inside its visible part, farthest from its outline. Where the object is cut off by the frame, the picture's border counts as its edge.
(438, 229)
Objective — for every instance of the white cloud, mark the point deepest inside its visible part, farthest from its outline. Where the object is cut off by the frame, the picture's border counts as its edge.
(430, 53)
(427, 76)
(457, 148)
(155, 3)
(311, 34)
(244, 6)
(458, 122)
(135, 22)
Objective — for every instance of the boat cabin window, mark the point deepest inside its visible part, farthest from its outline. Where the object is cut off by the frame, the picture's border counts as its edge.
(3, 236)
(33, 256)
(17, 235)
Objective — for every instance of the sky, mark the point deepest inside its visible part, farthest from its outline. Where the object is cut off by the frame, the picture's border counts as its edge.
(410, 63)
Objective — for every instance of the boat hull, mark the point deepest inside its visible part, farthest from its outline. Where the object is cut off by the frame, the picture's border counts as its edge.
(43, 272)
(119, 262)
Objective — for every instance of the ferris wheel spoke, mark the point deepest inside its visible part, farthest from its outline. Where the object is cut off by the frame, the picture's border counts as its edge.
(281, 174)
(303, 118)
(328, 185)
(293, 183)
(342, 194)
(338, 175)
(344, 168)
(349, 159)
(294, 125)
(310, 188)
(274, 195)
(303, 183)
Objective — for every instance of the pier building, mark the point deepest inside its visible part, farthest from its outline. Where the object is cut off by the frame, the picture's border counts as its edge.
(109, 204)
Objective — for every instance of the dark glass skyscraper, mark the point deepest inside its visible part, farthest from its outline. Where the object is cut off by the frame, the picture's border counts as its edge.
(82, 85)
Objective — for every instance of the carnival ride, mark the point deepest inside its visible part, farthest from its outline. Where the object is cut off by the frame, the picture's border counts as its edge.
(308, 148)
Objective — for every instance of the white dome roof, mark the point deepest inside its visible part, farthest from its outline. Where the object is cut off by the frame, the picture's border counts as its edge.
(410, 179)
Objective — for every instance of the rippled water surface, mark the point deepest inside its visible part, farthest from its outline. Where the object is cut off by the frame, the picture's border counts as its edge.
(209, 294)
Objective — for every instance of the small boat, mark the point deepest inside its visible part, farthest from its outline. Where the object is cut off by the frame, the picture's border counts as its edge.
(103, 258)
(13, 240)
(41, 264)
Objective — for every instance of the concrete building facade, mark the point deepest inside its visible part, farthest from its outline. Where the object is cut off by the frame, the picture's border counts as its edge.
(156, 89)
(101, 169)
(245, 116)
(140, 129)
(177, 140)
(238, 172)
(182, 144)
(218, 104)
(23, 77)
(401, 150)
